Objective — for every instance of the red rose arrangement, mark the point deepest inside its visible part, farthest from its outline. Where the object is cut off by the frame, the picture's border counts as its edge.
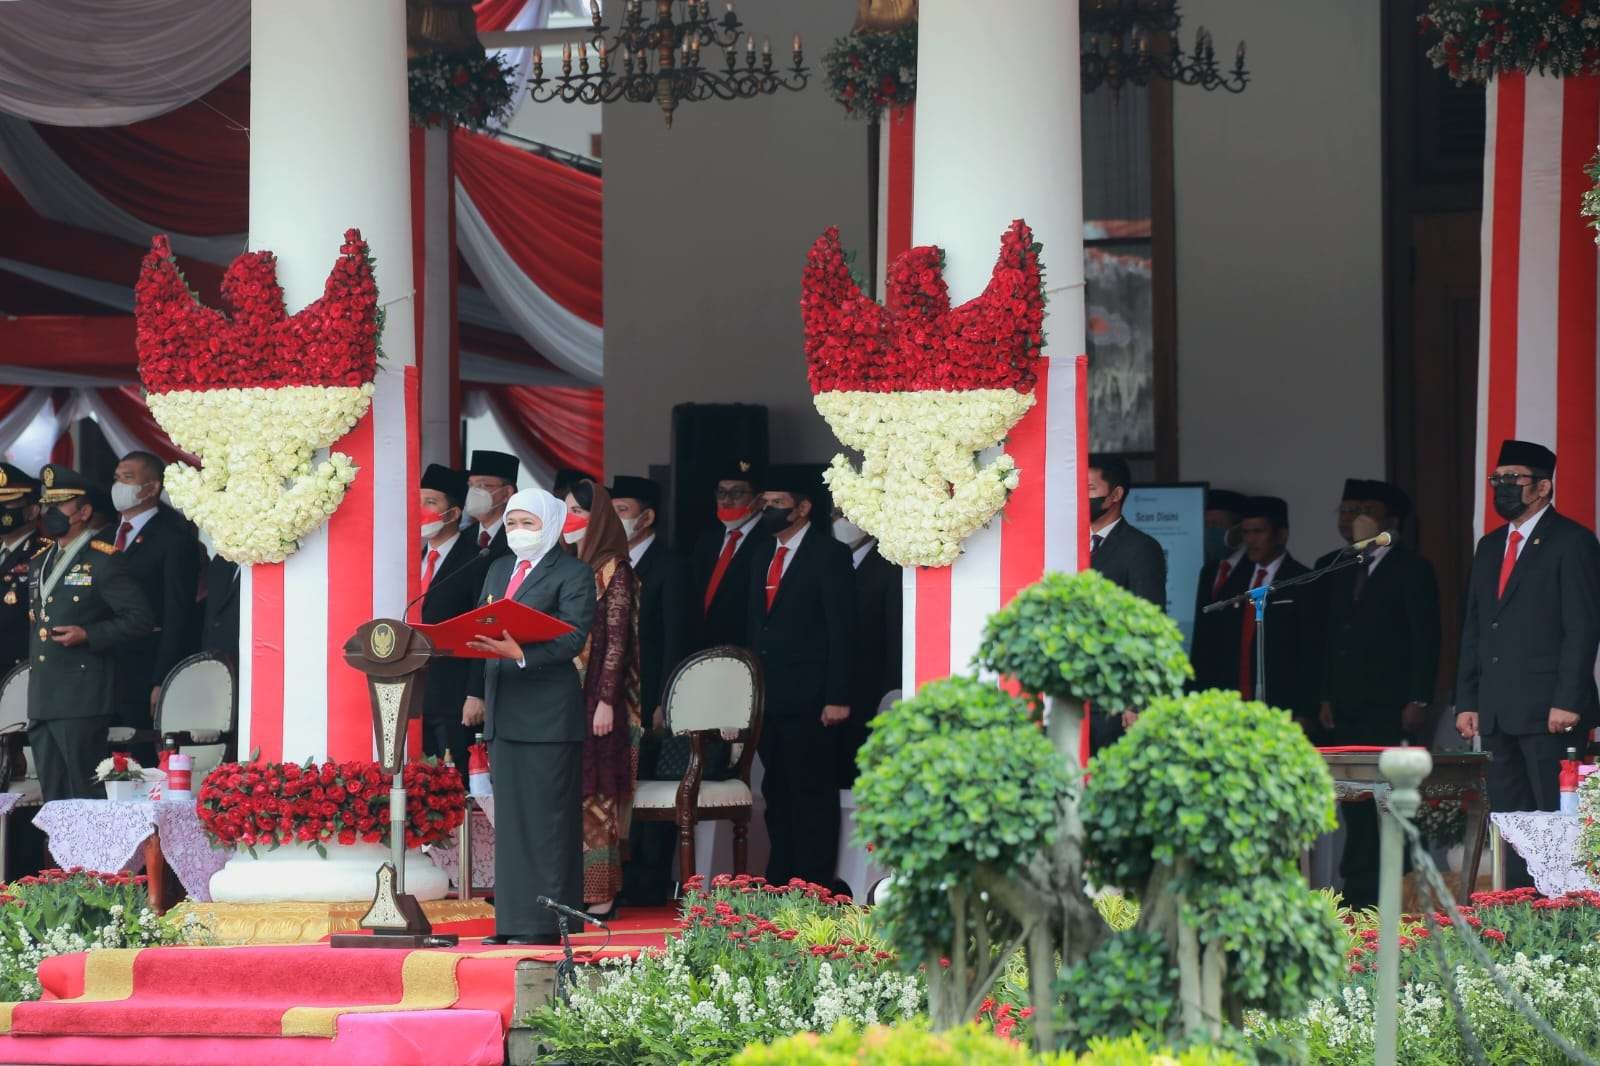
(184, 345)
(918, 342)
(1476, 41)
(269, 804)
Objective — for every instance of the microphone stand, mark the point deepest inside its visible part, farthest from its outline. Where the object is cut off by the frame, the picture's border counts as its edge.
(1258, 601)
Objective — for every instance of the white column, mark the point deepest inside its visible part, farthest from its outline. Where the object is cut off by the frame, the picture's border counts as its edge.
(329, 151)
(998, 138)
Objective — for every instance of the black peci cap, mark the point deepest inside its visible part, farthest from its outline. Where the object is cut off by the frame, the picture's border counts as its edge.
(1225, 500)
(1393, 497)
(1526, 453)
(1269, 507)
(642, 489)
(495, 464)
(441, 478)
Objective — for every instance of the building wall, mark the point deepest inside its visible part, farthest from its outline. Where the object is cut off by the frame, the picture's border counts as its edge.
(706, 230)
(1280, 272)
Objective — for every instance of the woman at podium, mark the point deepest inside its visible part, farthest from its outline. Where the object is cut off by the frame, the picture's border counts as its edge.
(530, 702)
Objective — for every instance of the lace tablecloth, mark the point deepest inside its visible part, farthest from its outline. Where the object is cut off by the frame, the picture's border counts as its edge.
(9, 800)
(445, 858)
(1548, 843)
(106, 837)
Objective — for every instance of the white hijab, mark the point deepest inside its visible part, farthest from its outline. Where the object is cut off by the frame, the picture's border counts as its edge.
(549, 510)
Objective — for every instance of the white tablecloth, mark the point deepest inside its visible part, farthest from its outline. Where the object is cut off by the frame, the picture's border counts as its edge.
(104, 836)
(1548, 843)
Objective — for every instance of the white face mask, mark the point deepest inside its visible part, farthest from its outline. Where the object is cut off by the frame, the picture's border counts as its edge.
(479, 502)
(125, 496)
(523, 542)
(430, 530)
(846, 531)
(630, 526)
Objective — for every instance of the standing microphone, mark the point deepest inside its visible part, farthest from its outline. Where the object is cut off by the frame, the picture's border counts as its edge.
(483, 553)
(576, 915)
(1382, 540)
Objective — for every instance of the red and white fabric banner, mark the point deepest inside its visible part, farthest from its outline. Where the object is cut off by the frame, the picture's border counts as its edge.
(301, 697)
(1538, 341)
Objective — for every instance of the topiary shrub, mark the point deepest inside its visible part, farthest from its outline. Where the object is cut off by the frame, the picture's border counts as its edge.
(913, 1045)
(1128, 986)
(1202, 812)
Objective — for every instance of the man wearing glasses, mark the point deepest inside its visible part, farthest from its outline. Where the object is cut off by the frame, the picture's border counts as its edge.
(721, 561)
(1526, 681)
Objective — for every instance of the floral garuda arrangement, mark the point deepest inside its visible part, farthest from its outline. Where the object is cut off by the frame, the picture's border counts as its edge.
(256, 394)
(870, 72)
(919, 388)
(471, 89)
(271, 804)
(1479, 39)
(1589, 834)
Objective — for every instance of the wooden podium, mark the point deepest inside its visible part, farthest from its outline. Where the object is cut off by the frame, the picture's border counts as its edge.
(395, 657)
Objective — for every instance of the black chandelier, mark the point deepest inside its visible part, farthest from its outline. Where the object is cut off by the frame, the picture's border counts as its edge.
(1125, 42)
(659, 60)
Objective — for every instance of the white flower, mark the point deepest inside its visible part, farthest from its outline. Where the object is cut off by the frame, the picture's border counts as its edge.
(260, 490)
(921, 489)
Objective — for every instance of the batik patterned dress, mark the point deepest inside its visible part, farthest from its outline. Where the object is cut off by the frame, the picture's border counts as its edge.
(609, 664)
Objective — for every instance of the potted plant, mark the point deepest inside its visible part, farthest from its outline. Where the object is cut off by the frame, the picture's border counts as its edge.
(124, 778)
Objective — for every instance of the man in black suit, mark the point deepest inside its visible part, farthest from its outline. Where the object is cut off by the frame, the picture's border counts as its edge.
(1225, 653)
(1224, 546)
(1379, 669)
(1123, 554)
(875, 658)
(491, 479)
(19, 540)
(1352, 504)
(160, 550)
(720, 562)
(800, 603)
(219, 631)
(1525, 682)
(452, 568)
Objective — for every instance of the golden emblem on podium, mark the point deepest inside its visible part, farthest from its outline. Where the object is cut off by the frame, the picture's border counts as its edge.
(382, 640)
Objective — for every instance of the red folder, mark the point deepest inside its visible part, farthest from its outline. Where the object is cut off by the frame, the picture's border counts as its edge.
(526, 626)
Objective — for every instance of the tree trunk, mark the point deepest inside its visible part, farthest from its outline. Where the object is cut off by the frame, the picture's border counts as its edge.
(1041, 985)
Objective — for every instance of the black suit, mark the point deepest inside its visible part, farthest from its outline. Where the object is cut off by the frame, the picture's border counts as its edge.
(875, 658)
(163, 557)
(804, 643)
(666, 621)
(220, 631)
(1134, 560)
(726, 619)
(1528, 651)
(457, 581)
(1382, 652)
(14, 625)
(1293, 632)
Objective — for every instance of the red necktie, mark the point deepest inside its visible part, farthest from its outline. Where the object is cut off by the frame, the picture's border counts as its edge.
(1247, 639)
(1509, 562)
(775, 574)
(1224, 569)
(127, 527)
(729, 546)
(523, 566)
(484, 538)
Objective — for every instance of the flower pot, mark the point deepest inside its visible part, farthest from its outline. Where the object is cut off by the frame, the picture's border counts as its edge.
(295, 872)
(127, 791)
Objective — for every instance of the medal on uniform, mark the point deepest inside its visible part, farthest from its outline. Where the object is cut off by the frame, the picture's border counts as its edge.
(44, 634)
(11, 597)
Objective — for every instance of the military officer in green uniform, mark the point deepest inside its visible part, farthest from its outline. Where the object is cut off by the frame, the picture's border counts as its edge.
(19, 539)
(82, 606)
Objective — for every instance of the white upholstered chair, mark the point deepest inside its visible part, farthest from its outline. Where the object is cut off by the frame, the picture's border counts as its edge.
(200, 705)
(718, 690)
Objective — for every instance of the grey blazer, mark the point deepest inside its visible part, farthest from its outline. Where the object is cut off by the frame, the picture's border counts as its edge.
(541, 701)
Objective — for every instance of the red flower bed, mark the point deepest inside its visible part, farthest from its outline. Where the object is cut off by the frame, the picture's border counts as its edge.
(268, 804)
(184, 344)
(918, 342)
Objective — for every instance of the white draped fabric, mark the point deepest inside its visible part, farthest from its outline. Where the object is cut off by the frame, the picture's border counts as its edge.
(90, 63)
(535, 16)
(55, 191)
(107, 293)
(475, 404)
(568, 341)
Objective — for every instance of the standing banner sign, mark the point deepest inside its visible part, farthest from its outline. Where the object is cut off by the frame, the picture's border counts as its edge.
(1175, 516)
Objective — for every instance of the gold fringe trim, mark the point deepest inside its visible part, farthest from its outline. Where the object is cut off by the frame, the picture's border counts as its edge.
(307, 923)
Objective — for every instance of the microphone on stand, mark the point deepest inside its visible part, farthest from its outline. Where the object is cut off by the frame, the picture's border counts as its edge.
(483, 553)
(576, 915)
(1382, 540)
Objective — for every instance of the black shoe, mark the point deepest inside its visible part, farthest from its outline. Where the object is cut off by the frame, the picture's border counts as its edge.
(498, 938)
(541, 939)
(605, 915)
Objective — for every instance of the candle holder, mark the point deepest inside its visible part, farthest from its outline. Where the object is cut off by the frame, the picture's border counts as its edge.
(659, 60)
(1126, 42)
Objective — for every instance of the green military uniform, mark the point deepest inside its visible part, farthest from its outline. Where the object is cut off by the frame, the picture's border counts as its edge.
(19, 493)
(71, 690)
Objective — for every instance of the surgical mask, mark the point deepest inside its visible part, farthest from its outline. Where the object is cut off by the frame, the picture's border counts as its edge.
(630, 526)
(1097, 507)
(523, 542)
(124, 496)
(432, 523)
(847, 532)
(775, 519)
(479, 502)
(1216, 540)
(55, 524)
(573, 529)
(1508, 501)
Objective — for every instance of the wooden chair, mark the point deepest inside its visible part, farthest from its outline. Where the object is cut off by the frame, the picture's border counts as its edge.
(716, 691)
(200, 706)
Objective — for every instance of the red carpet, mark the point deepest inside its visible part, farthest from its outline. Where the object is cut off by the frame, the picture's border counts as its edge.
(290, 991)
